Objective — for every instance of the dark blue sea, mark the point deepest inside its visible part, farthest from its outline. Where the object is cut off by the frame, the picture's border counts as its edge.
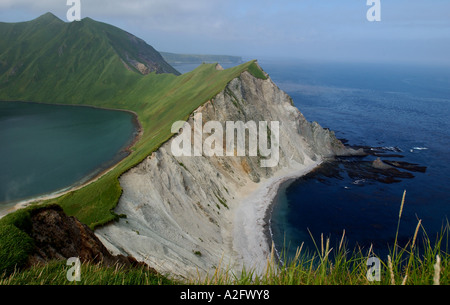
(401, 110)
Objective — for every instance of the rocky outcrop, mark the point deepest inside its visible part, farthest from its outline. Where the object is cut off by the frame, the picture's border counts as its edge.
(59, 237)
(379, 164)
(141, 56)
(188, 216)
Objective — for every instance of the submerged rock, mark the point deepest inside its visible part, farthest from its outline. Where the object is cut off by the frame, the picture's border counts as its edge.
(380, 164)
(408, 166)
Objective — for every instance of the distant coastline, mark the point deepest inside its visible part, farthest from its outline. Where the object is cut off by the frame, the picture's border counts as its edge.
(178, 59)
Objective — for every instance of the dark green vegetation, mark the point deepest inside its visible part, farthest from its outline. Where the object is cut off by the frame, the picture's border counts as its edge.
(15, 242)
(55, 273)
(173, 58)
(91, 63)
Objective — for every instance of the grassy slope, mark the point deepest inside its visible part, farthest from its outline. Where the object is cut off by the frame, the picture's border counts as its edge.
(159, 100)
(55, 273)
(73, 63)
(81, 63)
(49, 60)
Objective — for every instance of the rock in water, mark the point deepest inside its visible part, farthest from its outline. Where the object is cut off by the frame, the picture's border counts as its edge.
(380, 164)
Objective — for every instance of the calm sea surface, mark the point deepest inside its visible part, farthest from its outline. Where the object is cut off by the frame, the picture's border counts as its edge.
(47, 148)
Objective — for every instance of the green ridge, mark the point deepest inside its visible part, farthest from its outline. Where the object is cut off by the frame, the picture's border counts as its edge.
(88, 63)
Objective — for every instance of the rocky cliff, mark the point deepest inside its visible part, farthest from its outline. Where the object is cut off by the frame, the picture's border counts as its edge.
(190, 215)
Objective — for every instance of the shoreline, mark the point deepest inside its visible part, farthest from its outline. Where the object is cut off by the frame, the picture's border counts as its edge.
(269, 214)
(252, 232)
(98, 173)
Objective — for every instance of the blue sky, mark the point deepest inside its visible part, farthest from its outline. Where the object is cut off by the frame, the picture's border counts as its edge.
(328, 30)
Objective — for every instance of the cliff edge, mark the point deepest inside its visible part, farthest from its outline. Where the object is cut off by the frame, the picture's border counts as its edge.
(188, 216)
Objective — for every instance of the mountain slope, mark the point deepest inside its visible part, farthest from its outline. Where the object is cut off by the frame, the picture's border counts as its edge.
(85, 63)
(47, 58)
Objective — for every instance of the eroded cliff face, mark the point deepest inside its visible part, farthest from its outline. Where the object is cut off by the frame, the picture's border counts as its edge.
(187, 215)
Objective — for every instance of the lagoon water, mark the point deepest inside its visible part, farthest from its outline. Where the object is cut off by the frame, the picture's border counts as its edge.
(47, 148)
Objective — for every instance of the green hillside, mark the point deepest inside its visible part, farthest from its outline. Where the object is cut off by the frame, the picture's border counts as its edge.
(78, 61)
(89, 63)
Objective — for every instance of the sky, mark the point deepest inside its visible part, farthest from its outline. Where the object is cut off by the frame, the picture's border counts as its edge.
(326, 30)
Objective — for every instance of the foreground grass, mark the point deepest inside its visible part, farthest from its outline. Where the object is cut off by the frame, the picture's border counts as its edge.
(337, 266)
(55, 273)
(407, 265)
(344, 269)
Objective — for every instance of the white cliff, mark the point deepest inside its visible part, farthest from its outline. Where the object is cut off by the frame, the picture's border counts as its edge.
(187, 216)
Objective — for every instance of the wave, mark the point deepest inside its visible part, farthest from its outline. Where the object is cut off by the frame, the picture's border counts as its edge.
(359, 181)
(387, 148)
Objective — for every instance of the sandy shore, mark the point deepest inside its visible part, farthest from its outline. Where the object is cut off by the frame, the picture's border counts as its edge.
(251, 234)
(5, 210)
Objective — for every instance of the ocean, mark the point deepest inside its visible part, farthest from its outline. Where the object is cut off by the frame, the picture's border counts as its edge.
(403, 112)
